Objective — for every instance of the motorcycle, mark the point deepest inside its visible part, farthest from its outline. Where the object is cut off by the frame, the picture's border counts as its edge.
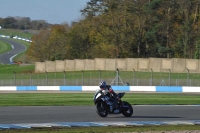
(118, 107)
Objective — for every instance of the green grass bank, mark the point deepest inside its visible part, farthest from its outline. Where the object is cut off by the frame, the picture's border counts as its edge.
(86, 99)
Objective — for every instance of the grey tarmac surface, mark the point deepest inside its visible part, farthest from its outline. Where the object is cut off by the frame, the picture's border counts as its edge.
(49, 114)
(17, 48)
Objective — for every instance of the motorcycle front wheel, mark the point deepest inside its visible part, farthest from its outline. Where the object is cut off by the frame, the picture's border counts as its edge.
(128, 111)
(101, 109)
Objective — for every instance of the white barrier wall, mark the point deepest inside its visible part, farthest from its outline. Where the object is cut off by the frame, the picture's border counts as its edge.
(163, 89)
(143, 88)
(191, 89)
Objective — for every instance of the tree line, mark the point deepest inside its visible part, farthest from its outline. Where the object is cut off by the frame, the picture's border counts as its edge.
(124, 29)
(23, 23)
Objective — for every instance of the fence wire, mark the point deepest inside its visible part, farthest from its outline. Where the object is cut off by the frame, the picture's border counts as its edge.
(92, 78)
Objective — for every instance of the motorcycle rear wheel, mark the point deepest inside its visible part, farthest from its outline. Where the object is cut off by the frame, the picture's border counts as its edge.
(101, 109)
(129, 112)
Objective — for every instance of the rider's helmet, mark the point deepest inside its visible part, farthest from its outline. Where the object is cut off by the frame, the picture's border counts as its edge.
(102, 85)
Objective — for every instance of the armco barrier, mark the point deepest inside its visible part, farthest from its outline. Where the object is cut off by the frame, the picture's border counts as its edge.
(175, 89)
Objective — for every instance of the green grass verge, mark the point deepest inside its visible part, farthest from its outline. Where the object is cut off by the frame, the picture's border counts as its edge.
(85, 99)
(4, 47)
(110, 129)
(95, 74)
(5, 69)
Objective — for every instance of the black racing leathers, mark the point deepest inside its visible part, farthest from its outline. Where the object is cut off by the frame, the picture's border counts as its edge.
(111, 92)
(113, 96)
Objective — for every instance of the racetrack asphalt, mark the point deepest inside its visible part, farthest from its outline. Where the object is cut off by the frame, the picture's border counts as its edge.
(6, 58)
(50, 114)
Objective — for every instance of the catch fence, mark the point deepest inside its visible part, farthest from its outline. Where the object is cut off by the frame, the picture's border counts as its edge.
(92, 78)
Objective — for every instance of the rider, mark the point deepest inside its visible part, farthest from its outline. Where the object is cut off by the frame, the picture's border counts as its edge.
(107, 90)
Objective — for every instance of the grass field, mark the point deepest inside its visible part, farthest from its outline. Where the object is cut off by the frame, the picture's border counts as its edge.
(6, 69)
(82, 99)
(4, 47)
(19, 33)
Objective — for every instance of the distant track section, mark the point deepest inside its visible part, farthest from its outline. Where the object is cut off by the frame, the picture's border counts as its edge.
(17, 48)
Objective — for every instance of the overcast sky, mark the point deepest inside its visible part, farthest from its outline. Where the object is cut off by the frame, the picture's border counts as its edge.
(53, 11)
